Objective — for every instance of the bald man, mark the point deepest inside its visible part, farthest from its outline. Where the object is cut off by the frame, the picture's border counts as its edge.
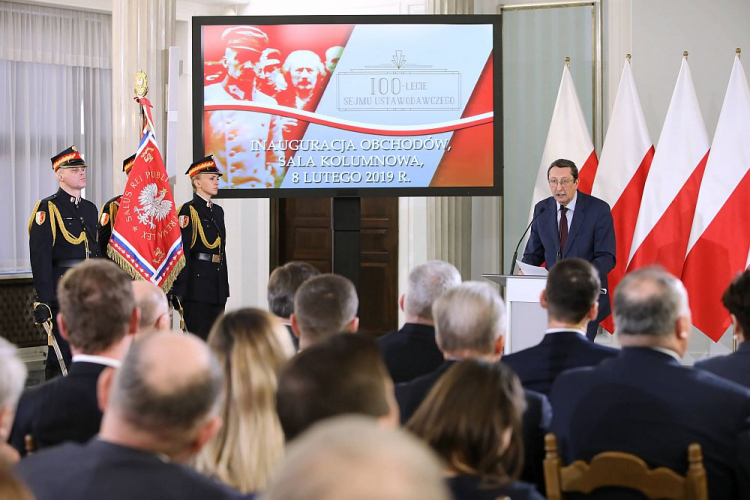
(153, 305)
(157, 415)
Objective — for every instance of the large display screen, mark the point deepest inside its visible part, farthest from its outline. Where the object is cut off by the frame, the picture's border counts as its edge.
(349, 106)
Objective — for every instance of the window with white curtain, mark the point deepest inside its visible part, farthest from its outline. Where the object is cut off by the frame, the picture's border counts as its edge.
(56, 88)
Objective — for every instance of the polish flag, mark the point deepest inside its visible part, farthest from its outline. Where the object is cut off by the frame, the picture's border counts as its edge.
(623, 169)
(671, 191)
(720, 238)
(568, 138)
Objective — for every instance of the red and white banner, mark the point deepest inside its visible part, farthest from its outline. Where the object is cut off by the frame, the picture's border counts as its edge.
(720, 237)
(671, 191)
(146, 239)
(623, 169)
(568, 138)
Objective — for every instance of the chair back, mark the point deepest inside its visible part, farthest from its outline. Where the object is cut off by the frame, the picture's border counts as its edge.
(623, 470)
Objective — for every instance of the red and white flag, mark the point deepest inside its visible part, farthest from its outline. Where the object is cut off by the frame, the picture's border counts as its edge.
(720, 237)
(568, 138)
(623, 169)
(146, 240)
(671, 190)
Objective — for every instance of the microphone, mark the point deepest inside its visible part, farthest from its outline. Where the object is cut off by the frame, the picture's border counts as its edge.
(515, 254)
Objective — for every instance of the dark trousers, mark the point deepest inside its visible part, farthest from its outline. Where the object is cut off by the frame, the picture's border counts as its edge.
(200, 316)
(52, 368)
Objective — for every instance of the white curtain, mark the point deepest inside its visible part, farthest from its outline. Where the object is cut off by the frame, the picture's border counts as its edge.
(56, 83)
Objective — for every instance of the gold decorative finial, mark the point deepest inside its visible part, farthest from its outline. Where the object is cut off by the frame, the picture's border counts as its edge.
(685, 54)
(628, 57)
(141, 84)
(567, 61)
(738, 51)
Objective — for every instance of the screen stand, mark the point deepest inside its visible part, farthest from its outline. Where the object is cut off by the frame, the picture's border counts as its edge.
(346, 246)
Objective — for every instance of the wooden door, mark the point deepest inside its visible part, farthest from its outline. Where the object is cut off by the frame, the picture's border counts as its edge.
(301, 230)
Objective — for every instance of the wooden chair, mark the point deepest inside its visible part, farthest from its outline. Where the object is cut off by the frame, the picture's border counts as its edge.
(617, 469)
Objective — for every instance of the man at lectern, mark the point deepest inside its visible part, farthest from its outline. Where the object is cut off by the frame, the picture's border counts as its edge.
(573, 224)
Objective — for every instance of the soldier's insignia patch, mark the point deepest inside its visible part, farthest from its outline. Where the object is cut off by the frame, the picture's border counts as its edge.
(104, 219)
(184, 221)
(41, 217)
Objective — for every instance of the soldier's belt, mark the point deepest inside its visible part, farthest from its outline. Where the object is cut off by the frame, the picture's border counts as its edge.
(208, 257)
(66, 262)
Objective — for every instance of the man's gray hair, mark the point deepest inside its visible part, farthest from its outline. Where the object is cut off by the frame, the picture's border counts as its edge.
(426, 283)
(648, 302)
(324, 306)
(12, 375)
(326, 463)
(470, 316)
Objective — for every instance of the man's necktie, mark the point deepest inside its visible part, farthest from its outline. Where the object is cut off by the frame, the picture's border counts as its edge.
(563, 228)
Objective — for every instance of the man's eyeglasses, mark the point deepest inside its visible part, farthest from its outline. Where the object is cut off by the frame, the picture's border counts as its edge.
(562, 182)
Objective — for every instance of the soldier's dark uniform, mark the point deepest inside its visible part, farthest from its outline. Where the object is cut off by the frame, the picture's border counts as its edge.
(203, 285)
(62, 234)
(109, 212)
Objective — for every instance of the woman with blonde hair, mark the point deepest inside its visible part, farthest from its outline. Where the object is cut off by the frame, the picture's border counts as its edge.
(252, 346)
(472, 419)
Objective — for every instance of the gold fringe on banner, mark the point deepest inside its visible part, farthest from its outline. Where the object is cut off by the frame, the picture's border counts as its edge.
(133, 272)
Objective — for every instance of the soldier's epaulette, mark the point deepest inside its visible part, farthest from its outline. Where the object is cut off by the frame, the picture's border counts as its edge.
(50, 198)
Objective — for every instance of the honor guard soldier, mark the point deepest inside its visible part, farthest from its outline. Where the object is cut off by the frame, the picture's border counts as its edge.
(62, 234)
(109, 212)
(202, 287)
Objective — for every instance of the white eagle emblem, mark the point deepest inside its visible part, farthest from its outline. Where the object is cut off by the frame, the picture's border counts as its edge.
(153, 205)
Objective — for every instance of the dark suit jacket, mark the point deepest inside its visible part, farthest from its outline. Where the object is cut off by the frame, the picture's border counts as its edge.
(536, 419)
(104, 470)
(410, 352)
(63, 409)
(645, 403)
(591, 237)
(539, 366)
(734, 367)
(466, 487)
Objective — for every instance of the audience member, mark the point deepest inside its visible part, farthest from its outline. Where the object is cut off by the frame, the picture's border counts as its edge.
(645, 403)
(350, 457)
(571, 299)
(12, 378)
(160, 409)
(282, 288)
(412, 351)
(97, 315)
(324, 306)
(736, 366)
(470, 323)
(153, 306)
(251, 346)
(342, 374)
(472, 419)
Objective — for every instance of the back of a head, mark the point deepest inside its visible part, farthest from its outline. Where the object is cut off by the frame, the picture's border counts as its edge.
(324, 306)
(469, 317)
(573, 288)
(167, 386)
(426, 283)
(649, 302)
(252, 346)
(342, 374)
(736, 299)
(283, 285)
(152, 303)
(352, 457)
(97, 303)
(472, 419)
(12, 376)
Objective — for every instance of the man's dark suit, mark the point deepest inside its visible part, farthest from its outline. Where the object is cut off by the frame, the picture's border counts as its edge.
(539, 366)
(63, 409)
(734, 367)
(536, 419)
(645, 403)
(104, 470)
(591, 237)
(410, 352)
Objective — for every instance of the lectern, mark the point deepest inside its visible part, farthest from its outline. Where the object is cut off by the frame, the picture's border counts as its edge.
(526, 320)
